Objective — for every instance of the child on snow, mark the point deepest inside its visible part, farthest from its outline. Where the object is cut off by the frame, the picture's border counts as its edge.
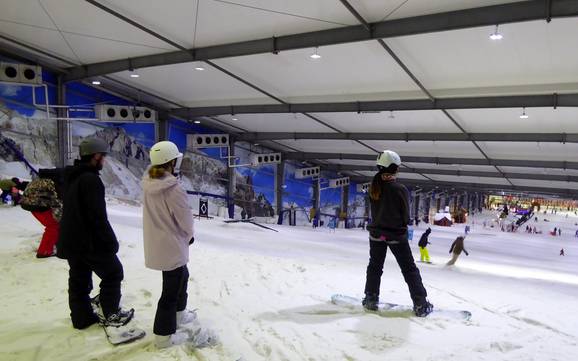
(423, 242)
(456, 249)
(168, 232)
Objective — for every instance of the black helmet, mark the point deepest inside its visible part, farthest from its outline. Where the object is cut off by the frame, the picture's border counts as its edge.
(92, 146)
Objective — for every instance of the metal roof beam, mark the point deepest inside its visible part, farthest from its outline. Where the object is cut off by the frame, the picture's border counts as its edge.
(510, 101)
(453, 20)
(303, 156)
(458, 173)
(448, 137)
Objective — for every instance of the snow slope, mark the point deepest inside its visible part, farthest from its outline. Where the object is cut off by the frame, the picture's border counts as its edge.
(266, 294)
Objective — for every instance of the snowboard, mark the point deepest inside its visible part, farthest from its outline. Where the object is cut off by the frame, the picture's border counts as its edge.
(123, 334)
(395, 310)
(116, 335)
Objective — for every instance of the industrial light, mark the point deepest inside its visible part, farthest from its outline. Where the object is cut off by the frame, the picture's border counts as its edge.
(197, 122)
(256, 144)
(524, 115)
(134, 75)
(199, 67)
(496, 35)
(315, 55)
(95, 82)
(235, 118)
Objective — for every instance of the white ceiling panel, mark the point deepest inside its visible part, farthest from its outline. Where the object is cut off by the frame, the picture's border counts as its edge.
(378, 10)
(541, 120)
(369, 163)
(544, 171)
(428, 148)
(531, 151)
(479, 180)
(345, 72)
(533, 52)
(231, 21)
(184, 84)
(546, 184)
(415, 176)
(275, 123)
(398, 122)
(327, 146)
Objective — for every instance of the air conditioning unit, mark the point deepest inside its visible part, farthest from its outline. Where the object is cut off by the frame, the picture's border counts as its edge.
(310, 172)
(20, 73)
(123, 113)
(207, 140)
(338, 182)
(269, 158)
(363, 188)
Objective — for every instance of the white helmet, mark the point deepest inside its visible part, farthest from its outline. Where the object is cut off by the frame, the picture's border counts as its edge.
(387, 158)
(163, 152)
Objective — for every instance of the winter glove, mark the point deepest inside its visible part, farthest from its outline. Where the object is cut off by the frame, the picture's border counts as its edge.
(192, 241)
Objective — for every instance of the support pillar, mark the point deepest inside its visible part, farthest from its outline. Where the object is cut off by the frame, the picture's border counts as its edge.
(232, 186)
(62, 125)
(345, 202)
(279, 181)
(162, 127)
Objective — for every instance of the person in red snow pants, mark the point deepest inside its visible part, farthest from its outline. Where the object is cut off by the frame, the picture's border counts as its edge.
(51, 231)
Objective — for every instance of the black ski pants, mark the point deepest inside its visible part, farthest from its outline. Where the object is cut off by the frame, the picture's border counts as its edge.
(404, 257)
(173, 299)
(109, 269)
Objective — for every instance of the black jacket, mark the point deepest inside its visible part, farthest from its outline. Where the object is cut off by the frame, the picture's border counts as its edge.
(423, 241)
(84, 227)
(390, 213)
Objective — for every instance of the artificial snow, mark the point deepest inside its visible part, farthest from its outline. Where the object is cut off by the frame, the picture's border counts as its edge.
(267, 295)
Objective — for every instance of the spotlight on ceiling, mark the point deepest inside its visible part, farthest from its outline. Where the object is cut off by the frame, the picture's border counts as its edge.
(235, 118)
(197, 122)
(199, 67)
(496, 34)
(96, 82)
(134, 75)
(315, 55)
(524, 115)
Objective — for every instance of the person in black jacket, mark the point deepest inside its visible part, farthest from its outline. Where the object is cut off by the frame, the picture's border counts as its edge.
(88, 242)
(423, 242)
(390, 218)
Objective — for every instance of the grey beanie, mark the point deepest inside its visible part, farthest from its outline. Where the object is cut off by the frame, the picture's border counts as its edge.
(92, 146)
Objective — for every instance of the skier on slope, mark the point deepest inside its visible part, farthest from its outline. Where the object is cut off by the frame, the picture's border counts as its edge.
(390, 218)
(88, 242)
(423, 242)
(168, 232)
(456, 249)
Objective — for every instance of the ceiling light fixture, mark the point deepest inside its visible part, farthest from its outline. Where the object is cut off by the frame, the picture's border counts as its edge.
(235, 118)
(315, 55)
(134, 75)
(496, 34)
(197, 122)
(200, 67)
(96, 82)
(256, 144)
(524, 115)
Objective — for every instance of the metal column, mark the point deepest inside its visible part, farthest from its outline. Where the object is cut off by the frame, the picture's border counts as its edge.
(279, 181)
(162, 127)
(345, 201)
(231, 175)
(61, 125)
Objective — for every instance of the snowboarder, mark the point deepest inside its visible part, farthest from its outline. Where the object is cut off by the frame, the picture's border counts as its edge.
(390, 218)
(168, 233)
(40, 198)
(423, 242)
(559, 232)
(576, 235)
(88, 242)
(562, 252)
(457, 248)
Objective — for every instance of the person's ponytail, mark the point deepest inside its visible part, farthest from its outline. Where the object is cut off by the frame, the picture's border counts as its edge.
(375, 188)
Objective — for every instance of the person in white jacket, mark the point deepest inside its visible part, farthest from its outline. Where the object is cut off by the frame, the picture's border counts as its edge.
(168, 232)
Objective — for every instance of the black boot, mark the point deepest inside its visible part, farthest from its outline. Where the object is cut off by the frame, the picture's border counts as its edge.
(422, 309)
(371, 301)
